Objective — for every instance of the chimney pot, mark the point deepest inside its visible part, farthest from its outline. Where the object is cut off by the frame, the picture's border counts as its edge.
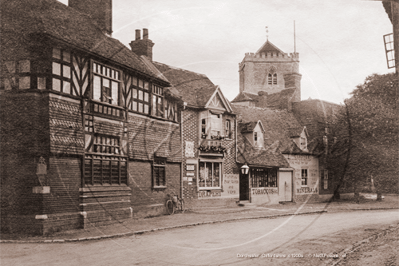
(145, 34)
(138, 35)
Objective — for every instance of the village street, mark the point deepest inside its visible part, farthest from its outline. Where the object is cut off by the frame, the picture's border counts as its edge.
(314, 237)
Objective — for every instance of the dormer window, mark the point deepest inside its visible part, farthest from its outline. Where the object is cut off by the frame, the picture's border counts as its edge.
(255, 136)
(303, 143)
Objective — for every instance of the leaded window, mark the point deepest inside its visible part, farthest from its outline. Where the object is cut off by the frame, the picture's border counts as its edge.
(157, 101)
(105, 170)
(158, 172)
(61, 71)
(105, 84)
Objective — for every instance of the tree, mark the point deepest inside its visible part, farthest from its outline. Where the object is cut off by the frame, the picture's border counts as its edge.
(367, 132)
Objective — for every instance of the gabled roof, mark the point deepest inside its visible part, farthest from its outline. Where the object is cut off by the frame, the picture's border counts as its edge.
(195, 89)
(218, 96)
(61, 23)
(258, 157)
(250, 126)
(268, 47)
(244, 97)
(276, 123)
(278, 100)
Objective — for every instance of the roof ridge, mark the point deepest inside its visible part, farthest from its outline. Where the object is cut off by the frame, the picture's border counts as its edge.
(177, 68)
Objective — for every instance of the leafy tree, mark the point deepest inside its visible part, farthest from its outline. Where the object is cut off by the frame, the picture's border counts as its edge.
(367, 132)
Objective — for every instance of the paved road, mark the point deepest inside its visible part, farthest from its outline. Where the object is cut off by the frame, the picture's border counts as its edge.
(214, 244)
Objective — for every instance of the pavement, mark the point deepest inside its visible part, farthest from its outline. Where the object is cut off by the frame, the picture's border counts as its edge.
(194, 217)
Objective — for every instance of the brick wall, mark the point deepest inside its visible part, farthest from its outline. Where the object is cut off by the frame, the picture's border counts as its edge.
(151, 136)
(66, 129)
(145, 198)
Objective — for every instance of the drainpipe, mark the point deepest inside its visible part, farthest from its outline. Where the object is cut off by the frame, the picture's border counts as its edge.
(182, 152)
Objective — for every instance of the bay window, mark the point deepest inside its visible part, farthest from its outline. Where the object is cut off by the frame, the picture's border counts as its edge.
(211, 125)
(210, 175)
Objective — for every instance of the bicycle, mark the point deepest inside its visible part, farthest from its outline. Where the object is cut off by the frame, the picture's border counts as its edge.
(174, 203)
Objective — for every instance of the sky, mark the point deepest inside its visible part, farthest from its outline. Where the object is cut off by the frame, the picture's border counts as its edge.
(340, 42)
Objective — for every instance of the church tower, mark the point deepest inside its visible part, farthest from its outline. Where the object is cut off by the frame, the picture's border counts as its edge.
(270, 71)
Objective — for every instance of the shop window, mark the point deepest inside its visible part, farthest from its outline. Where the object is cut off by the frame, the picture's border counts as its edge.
(105, 170)
(264, 177)
(304, 175)
(324, 178)
(105, 84)
(61, 70)
(210, 175)
(158, 172)
(228, 133)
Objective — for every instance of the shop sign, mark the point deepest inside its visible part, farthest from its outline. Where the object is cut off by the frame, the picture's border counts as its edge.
(307, 190)
(209, 194)
(264, 191)
(189, 149)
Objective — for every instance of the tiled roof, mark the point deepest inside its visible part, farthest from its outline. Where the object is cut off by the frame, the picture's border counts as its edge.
(259, 157)
(195, 89)
(276, 123)
(268, 47)
(274, 100)
(244, 96)
(247, 127)
(62, 23)
(315, 114)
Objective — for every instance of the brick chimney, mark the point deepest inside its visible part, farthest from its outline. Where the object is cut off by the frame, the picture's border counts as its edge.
(142, 46)
(99, 10)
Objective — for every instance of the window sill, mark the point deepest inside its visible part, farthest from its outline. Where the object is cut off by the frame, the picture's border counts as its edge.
(159, 187)
(209, 188)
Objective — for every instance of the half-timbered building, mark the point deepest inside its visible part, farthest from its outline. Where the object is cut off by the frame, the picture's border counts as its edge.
(90, 130)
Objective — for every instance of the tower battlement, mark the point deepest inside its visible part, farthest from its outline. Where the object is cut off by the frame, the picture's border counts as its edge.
(284, 57)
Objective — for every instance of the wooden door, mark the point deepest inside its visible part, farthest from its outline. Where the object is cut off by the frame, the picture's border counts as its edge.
(285, 186)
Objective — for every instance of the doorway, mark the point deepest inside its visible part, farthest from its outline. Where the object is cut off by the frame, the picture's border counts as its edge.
(244, 187)
(285, 186)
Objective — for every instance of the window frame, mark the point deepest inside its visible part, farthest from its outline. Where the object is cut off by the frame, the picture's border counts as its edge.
(325, 179)
(204, 179)
(228, 131)
(304, 170)
(157, 108)
(158, 164)
(61, 77)
(113, 75)
(268, 179)
(91, 166)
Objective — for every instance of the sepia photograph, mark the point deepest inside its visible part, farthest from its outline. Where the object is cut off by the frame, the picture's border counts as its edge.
(176, 132)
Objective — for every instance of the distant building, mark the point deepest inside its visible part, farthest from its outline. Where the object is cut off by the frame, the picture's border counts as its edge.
(293, 131)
